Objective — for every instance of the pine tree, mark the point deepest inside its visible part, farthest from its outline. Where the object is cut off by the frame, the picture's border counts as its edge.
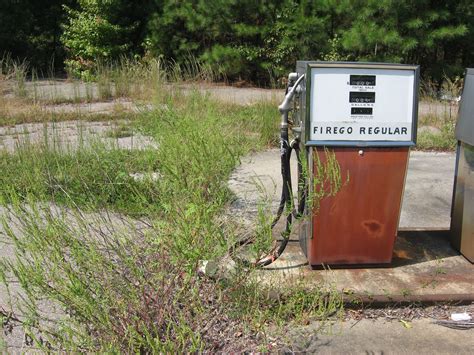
(405, 31)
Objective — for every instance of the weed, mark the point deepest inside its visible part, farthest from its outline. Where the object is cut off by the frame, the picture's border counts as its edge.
(405, 292)
(442, 140)
(98, 270)
(13, 115)
(128, 283)
(120, 131)
(447, 89)
(93, 178)
(16, 71)
(451, 88)
(260, 304)
(104, 83)
(428, 90)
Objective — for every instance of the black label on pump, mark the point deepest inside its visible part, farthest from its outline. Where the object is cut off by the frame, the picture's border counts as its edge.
(361, 110)
(362, 96)
(362, 80)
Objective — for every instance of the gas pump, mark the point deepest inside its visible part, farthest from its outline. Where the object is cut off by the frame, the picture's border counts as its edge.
(462, 214)
(365, 114)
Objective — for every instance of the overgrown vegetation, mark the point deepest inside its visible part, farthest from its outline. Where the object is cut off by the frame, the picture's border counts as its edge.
(437, 133)
(115, 257)
(25, 100)
(132, 79)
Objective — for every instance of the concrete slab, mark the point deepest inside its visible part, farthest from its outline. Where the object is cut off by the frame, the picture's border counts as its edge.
(428, 191)
(71, 135)
(424, 267)
(380, 336)
(55, 90)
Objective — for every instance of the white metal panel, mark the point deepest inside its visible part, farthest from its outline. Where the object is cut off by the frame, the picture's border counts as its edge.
(380, 112)
(465, 125)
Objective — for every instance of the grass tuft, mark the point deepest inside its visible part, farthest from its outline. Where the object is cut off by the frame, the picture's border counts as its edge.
(440, 133)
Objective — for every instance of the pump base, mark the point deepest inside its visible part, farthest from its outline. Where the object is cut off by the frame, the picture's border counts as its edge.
(359, 224)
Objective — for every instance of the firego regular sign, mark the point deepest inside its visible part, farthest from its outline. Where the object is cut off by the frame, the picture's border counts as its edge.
(374, 104)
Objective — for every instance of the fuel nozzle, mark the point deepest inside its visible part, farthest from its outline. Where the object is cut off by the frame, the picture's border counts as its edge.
(292, 77)
(285, 106)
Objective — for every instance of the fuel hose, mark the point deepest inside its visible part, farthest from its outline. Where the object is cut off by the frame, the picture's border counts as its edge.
(286, 199)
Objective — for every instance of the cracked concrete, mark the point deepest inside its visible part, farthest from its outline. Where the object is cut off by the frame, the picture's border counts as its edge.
(70, 135)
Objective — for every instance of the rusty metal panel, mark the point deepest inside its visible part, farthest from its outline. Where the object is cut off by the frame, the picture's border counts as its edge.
(462, 220)
(359, 224)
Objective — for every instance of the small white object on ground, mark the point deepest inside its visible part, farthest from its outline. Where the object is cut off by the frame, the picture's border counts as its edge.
(140, 177)
(460, 317)
(224, 268)
(207, 268)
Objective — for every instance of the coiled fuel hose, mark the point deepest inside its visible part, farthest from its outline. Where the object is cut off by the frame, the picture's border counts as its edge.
(286, 200)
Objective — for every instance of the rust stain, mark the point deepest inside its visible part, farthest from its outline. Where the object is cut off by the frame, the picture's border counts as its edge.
(373, 228)
(401, 254)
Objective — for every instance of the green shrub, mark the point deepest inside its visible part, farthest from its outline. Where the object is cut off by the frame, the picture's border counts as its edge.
(98, 31)
(226, 61)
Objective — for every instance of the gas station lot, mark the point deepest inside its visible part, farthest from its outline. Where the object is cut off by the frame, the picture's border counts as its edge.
(425, 267)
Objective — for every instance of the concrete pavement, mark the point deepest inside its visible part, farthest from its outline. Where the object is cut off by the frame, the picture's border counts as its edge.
(381, 336)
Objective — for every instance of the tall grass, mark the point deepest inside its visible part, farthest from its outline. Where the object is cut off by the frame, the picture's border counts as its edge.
(16, 72)
(139, 80)
(192, 70)
(436, 132)
(118, 255)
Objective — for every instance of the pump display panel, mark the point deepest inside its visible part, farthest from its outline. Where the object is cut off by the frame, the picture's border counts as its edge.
(362, 103)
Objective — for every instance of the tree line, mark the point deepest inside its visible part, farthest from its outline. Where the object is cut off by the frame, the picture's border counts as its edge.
(251, 40)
